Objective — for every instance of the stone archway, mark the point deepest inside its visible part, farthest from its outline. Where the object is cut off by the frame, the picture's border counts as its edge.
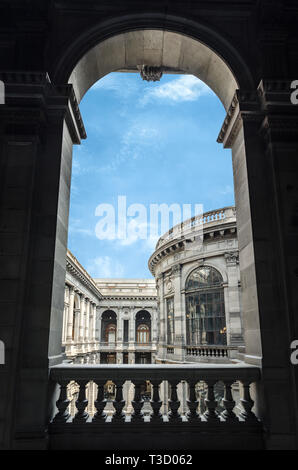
(172, 52)
(39, 124)
(176, 52)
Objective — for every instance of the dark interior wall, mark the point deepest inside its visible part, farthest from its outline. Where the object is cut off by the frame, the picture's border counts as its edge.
(40, 43)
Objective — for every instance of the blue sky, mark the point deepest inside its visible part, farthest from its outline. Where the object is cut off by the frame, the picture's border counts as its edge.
(153, 142)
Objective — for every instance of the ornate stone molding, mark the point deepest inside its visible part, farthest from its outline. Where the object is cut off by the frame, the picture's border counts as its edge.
(244, 106)
(75, 268)
(150, 73)
(176, 270)
(232, 258)
(43, 102)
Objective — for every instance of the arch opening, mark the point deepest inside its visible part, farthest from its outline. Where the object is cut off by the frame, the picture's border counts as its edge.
(205, 308)
(172, 52)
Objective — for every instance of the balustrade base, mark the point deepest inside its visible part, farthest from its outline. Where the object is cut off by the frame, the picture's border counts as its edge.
(153, 436)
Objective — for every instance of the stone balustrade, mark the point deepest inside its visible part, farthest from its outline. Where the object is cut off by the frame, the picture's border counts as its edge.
(164, 427)
(205, 220)
(209, 351)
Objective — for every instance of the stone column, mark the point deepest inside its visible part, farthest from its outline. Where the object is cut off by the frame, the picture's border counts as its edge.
(232, 300)
(39, 123)
(261, 129)
(70, 315)
(179, 319)
(94, 340)
(119, 338)
(98, 324)
(162, 319)
(119, 357)
(86, 321)
(81, 322)
(131, 357)
(65, 313)
(132, 327)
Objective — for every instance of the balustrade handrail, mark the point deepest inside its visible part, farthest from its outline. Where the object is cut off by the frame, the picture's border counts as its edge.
(216, 216)
(84, 428)
(225, 372)
(209, 346)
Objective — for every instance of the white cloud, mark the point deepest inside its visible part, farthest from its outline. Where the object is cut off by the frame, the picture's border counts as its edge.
(185, 88)
(117, 83)
(227, 190)
(105, 266)
(135, 142)
(75, 226)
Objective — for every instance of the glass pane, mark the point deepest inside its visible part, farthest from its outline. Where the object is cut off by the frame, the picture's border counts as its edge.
(203, 277)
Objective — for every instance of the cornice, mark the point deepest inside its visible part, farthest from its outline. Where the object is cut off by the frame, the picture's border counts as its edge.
(217, 233)
(77, 272)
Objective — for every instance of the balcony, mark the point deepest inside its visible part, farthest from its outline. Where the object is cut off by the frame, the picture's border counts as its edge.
(235, 426)
(211, 352)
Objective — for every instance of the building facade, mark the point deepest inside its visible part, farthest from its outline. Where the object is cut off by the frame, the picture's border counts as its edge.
(190, 312)
(80, 332)
(196, 267)
(128, 320)
(52, 52)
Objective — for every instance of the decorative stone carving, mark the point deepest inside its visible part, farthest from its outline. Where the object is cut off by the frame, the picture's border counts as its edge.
(232, 258)
(176, 269)
(169, 286)
(150, 73)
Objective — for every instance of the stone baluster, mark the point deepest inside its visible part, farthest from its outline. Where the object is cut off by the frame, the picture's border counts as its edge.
(155, 402)
(174, 403)
(118, 403)
(137, 403)
(210, 414)
(62, 404)
(81, 403)
(247, 415)
(100, 402)
(192, 402)
(229, 404)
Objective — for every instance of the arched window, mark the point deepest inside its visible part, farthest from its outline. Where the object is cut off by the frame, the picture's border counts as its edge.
(143, 327)
(108, 326)
(205, 309)
(143, 334)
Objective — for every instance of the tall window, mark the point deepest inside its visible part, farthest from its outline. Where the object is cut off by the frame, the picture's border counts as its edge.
(170, 320)
(143, 327)
(110, 334)
(205, 310)
(143, 334)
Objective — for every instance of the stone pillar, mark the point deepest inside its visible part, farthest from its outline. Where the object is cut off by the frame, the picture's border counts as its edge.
(86, 321)
(131, 357)
(179, 319)
(261, 129)
(132, 327)
(162, 319)
(38, 125)
(82, 322)
(119, 338)
(65, 314)
(98, 324)
(70, 315)
(232, 300)
(93, 339)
